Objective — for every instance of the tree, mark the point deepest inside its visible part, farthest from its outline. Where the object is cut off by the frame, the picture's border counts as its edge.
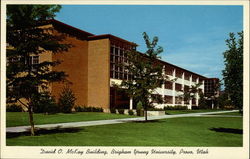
(146, 74)
(233, 72)
(190, 93)
(26, 40)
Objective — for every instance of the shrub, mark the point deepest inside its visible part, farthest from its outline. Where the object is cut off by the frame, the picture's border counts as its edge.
(155, 109)
(78, 109)
(97, 109)
(121, 111)
(113, 110)
(88, 109)
(195, 108)
(14, 108)
(130, 112)
(66, 100)
(45, 103)
(177, 107)
(139, 109)
(139, 105)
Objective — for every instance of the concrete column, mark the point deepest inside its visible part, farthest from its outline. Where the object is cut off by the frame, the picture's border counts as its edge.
(197, 95)
(163, 85)
(212, 104)
(131, 103)
(183, 78)
(203, 86)
(173, 91)
(190, 84)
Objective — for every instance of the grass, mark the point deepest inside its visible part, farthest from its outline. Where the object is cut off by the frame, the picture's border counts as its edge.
(22, 118)
(173, 112)
(231, 113)
(189, 131)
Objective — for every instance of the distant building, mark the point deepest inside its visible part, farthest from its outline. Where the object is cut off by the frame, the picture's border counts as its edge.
(212, 90)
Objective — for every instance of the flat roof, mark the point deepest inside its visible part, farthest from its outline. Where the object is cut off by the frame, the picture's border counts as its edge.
(110, 36)
(167, 63)
(91, 36)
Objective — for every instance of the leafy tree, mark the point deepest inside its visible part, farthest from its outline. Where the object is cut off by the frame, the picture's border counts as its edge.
(202, 101)
(233, 72)
(190, 93)
(146, 74)
(25, 39)
(224, 102)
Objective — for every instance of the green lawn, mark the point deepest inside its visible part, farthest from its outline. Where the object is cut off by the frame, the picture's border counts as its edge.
(22, 118)
(231, 113)
(172, 112)
(189, 131)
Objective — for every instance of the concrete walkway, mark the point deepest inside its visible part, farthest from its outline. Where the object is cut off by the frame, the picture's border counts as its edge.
(19, 129)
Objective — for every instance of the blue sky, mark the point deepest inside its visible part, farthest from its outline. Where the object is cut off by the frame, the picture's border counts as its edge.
(193, 37)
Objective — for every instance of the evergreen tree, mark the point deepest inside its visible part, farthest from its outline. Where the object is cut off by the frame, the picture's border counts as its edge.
(26, 39)
(146, 74)
(66, 100)
(233, 72)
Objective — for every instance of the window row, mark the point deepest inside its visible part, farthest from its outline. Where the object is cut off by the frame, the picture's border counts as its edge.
(118, 51)
(120, 75)
(118, 59)
(179, 73)
(33, 60)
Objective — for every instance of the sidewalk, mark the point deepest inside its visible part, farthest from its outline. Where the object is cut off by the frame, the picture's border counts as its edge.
(19, 129)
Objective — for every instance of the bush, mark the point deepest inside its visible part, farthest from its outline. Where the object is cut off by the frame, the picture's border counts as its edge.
(195, 108)
(88, 109)
(139, 106)
(121, 111)
(155, 109)
(66, 100)
(139, 109)
(113, 110)
(97, 109)
(14, 108)
(178, 107)
(130, 112)
(44, 103)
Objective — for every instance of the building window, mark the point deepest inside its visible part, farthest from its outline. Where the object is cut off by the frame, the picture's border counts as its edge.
(118, 56)
(168, 85)
(186, 88)
(156, 98)
(112, 50)
(194, 79)
(35, 60)
(168, 99)
(193, 101)
(178, 100)
(187, 76)
(178, 87)
(169, 70)
(178, 73)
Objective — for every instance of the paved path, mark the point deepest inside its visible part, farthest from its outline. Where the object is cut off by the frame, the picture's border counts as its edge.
(105, 122)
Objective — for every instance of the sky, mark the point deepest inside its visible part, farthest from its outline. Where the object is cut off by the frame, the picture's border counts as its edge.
(193, 37)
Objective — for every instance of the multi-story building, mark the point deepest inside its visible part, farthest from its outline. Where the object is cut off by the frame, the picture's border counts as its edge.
(92, 65)
(212, 87)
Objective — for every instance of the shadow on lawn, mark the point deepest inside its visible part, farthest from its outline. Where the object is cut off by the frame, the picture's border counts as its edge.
(227, 130)
(43, 131)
